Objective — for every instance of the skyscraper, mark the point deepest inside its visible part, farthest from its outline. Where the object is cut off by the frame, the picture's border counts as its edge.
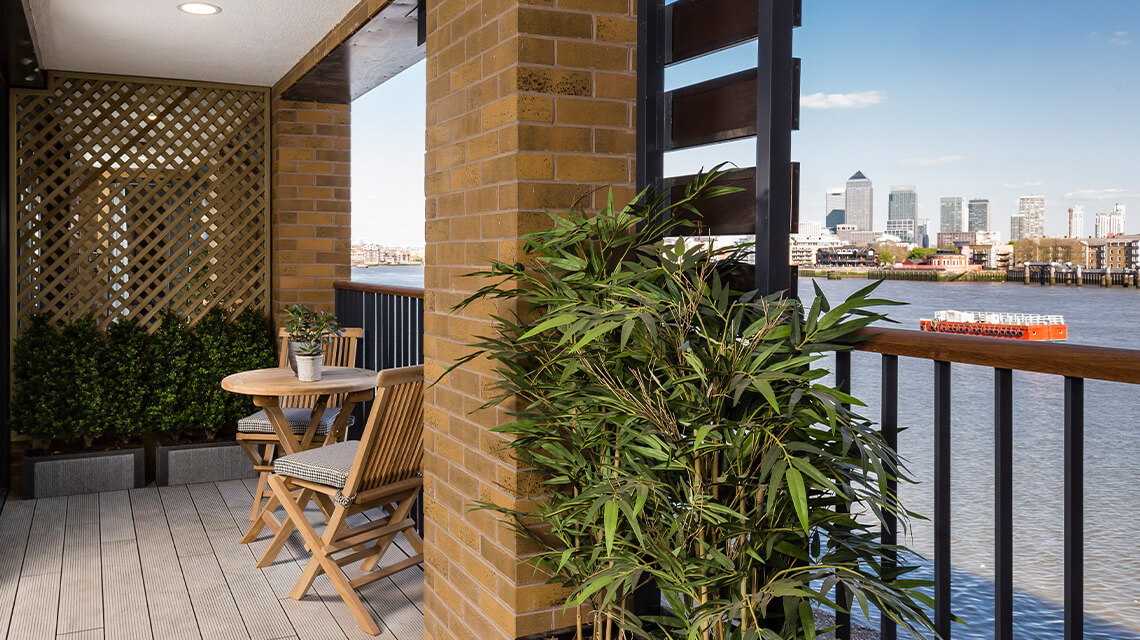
(1016, 227)
(1116, 223)
(920, 232)
(836, 207)
(979, 215)
(903, 207)
(1033, 208)
(859, 202)
(953, 214)
(1101, 228)
(1077, 222)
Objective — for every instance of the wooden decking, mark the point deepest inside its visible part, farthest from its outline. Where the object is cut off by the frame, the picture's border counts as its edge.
(166, 563)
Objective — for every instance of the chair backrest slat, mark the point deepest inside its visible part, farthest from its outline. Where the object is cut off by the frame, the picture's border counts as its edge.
(391, 448)
(339, 352)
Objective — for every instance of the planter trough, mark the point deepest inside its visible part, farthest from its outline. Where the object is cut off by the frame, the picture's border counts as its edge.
(209, 462)
(76, 473)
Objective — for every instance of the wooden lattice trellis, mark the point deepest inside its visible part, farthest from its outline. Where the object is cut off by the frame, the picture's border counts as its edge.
(131, 196)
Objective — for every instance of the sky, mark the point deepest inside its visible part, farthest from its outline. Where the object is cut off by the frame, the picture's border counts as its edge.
(994, 99)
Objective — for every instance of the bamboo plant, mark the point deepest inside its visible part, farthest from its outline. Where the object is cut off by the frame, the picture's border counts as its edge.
(686, 439)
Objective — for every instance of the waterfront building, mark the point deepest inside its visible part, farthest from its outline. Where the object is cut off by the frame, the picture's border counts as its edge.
(805, 247)
(953, 212)
(1077, 222)
(1071, 250)
(956, 238)
(835, 207)
(1119, 252)
(859, 199)
(844, 231)
(903, 228)
(847, 256)
(810, 228)
(991, 256)
(978, 216)
(921, 233)
(1016, 227)
(1033, 208)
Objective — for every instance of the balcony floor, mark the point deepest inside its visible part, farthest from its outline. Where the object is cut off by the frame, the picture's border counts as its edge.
(166, 563)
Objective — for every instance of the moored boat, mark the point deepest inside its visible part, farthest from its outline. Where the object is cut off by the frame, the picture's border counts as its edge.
(1017, 326)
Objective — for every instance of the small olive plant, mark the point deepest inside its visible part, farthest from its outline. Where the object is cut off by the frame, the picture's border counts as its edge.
(684, 437)
(310, 329)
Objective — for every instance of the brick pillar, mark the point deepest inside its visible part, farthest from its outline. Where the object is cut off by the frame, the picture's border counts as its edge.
(528, 108)
(311, 215)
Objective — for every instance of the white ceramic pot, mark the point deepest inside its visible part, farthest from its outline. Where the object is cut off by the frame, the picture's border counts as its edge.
(309, 368)
(293, 347)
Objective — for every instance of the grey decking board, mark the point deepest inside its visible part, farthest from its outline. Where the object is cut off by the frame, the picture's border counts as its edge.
(185, 527)
(259, 607)
(168, 601)
(125, 612)
(115, 519)
(15, 522)
(81, 582)
(44, 553)
(90, 634)
(34, 614)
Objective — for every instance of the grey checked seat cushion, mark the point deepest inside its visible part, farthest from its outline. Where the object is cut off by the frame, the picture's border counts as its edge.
(324, 465)
(298, 421)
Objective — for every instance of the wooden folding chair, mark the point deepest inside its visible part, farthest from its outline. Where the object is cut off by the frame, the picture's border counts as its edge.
(383, 470)
(310, 417)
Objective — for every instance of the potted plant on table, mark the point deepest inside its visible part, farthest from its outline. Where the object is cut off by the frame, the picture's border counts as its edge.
(681, 438)
(309, 330)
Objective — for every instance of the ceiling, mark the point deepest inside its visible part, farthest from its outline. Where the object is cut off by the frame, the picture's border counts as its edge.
(250, 42)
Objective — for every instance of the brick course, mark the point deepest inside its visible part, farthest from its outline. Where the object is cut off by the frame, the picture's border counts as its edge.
(312, 209)
(530, 107)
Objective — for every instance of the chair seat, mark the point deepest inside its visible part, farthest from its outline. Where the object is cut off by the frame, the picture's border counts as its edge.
(324, 465)
(298, 421)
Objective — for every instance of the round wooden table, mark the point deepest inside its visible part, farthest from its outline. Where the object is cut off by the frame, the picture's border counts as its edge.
(268, 386)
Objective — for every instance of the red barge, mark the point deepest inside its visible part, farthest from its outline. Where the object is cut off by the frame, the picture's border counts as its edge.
(1018, 326)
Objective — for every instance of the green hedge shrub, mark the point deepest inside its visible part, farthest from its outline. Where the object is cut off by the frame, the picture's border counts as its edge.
(76, 384)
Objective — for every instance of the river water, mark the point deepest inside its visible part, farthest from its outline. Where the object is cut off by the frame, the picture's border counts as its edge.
(1096, 316)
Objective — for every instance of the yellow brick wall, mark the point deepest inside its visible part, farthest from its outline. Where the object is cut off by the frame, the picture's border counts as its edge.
(311, 213)
(530, 107)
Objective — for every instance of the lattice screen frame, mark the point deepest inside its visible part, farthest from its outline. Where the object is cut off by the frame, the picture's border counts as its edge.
(197, 180)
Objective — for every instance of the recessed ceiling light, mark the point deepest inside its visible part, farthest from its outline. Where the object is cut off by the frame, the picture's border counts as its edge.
(199, 8)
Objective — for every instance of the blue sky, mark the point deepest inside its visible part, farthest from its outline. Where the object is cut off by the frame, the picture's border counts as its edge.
(978, 99)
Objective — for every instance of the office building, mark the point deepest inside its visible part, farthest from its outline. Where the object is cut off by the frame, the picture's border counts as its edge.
(859, 199)
(953, 215)
(1016, 227)
(903, 229)
(921, 233)
(956, 238)
(836, 207)
(1076, 222)
(1033, 208)
(810, 228)
(845, 231)
(978, 215)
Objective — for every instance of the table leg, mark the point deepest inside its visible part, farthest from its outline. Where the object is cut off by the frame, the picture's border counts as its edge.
(337, 432)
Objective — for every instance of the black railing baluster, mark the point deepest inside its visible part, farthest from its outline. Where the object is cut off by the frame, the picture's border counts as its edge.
(1074, 508)
(843, 383)
(942, 499)
(890, 427)
(1003, 504)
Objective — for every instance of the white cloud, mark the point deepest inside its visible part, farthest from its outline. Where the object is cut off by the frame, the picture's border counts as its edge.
(857, 100)
(1023, 185)
(1120, 38)
(931, 162)
(1102, 194)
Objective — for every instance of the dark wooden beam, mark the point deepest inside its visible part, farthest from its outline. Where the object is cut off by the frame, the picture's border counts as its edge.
(18, 61)
(716, 110)
(728, 215)
(704, 26)
(386, 45)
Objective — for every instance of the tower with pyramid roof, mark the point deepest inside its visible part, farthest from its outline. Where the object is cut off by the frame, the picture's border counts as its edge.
(860, 203)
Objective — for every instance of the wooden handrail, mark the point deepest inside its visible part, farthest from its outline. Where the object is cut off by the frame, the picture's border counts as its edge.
(390, 289)
(1074, 360)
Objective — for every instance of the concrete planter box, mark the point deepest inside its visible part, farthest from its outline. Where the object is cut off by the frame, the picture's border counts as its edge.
(76, 473)
(209, 462)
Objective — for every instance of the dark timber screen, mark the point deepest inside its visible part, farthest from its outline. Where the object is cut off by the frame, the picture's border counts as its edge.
(762, 102)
